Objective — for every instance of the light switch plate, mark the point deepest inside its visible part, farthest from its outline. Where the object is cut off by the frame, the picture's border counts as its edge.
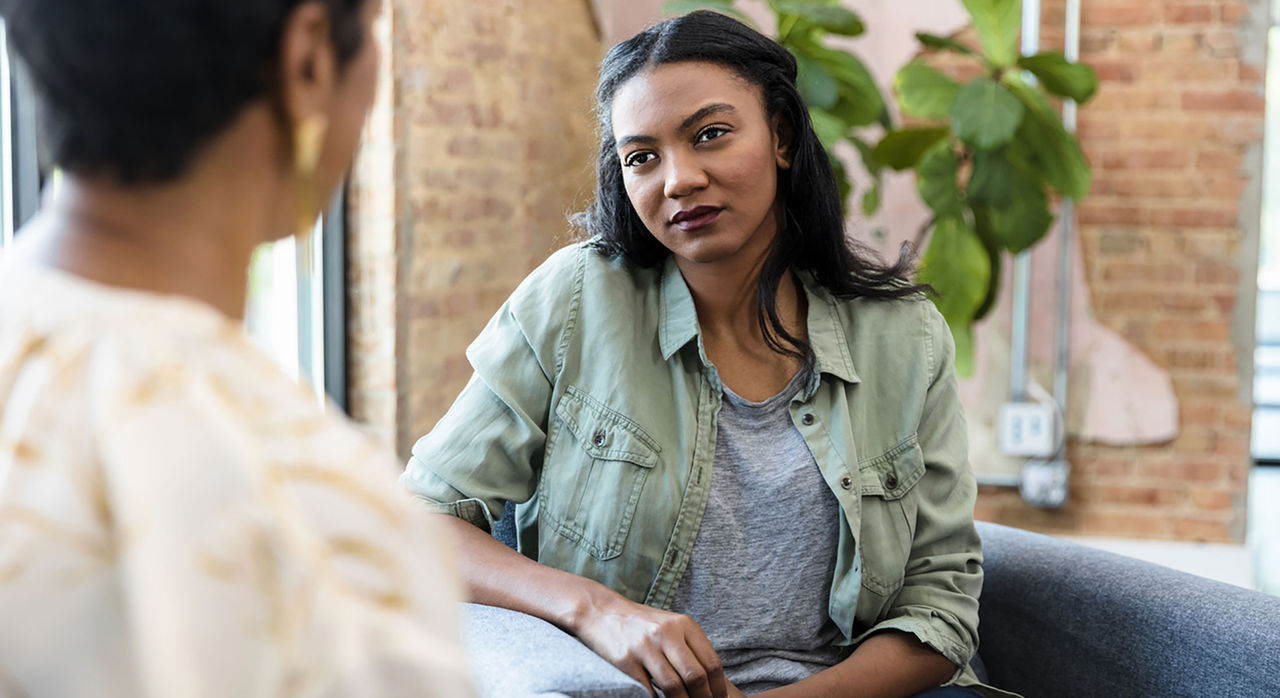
(1027, 429)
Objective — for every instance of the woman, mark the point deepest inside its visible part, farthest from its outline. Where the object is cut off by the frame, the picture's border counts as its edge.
(736, 442)
(177, 518)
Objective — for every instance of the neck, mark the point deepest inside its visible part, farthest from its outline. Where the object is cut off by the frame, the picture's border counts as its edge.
(191, 238)
(725, 294)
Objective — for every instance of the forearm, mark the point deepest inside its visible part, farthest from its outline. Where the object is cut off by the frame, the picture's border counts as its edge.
(886, 665)
(496, 575)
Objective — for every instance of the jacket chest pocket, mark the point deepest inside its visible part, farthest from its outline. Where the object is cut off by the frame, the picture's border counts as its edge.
(889, 508)
(596, 466)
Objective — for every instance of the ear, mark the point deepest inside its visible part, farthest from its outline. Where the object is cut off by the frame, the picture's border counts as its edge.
(308, 65)
(783, 142)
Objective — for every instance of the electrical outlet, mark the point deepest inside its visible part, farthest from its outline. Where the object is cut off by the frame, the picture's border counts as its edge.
(1027, 429)
(1044, 483)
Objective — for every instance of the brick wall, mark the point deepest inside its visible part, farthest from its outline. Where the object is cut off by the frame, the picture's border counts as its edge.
(479, 148)
(1175, 137)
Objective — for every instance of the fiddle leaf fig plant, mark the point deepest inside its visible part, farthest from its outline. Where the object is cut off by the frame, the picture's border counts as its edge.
(989, 155)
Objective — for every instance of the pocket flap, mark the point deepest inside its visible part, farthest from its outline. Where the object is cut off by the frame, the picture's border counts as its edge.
(893, 473)
(604, 433)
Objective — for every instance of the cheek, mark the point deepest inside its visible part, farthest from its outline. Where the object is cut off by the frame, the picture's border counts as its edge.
(645, 197)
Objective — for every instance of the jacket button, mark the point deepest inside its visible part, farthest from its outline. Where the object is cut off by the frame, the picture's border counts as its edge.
(891, 482)
(846, 482)
(598, 439)
(807, 419)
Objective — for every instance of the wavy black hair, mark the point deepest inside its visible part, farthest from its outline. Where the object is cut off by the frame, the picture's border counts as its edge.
(814, 236)
(133, 88)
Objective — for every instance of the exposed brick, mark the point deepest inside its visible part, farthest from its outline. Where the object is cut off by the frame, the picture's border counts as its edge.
(1228, 100)
(1189, 14)
(1203, 529)
(1119, 14)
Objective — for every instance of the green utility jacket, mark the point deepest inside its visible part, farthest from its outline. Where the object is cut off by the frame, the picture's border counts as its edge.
(593, 406)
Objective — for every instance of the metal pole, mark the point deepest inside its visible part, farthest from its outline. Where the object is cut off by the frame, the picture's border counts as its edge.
(1062, 351)
(1022, 263)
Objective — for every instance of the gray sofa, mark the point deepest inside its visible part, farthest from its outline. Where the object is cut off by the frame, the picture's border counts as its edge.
(1057, 619)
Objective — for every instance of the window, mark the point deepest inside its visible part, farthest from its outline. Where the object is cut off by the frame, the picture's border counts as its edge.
(296, 305)
(1266, 386)
(20, 176)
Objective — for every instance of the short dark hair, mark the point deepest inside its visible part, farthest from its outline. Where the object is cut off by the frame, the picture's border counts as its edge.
(133, 88)
(814, 238)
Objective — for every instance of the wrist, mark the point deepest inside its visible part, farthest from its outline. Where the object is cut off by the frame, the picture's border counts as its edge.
(591, 600)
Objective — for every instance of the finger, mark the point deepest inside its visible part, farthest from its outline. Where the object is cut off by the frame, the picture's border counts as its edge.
(659, 667)
(707, 656)
(636, 671)
(692, 673)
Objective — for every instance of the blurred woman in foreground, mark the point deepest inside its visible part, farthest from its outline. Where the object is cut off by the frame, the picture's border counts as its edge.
(176, 517)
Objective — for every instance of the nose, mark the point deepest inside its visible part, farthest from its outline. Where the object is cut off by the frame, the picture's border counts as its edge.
(684, 175)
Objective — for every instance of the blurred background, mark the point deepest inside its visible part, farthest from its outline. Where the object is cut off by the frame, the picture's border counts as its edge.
(1168, 407)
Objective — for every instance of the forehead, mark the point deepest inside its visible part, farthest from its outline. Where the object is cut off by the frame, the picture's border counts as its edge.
(658, 98)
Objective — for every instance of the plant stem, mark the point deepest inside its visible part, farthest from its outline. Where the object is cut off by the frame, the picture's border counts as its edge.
(920, 235)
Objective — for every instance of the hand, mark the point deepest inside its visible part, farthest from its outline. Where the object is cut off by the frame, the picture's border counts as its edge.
(650, 645)
(735, 692)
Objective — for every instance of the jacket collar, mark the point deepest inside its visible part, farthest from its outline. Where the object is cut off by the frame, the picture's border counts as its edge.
(678, 324)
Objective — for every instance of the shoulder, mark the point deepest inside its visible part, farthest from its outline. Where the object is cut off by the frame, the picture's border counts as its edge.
(553, 293)
(908, 329)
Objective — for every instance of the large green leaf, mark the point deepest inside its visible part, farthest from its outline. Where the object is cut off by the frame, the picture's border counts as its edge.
(936, 179)
(829, 128)
(995, 255)
(675, 8)
(833, 18)
(992, 179)
(859, 100)
(957, 266)
(816, 85)
(902, 149)
(1024, 220)
(1043, 147)
(924, 92)
(966, 351)
(867, 153)
(871, 199)
(943, 43)
(1059, 76)
(998, 23)
(986, 114)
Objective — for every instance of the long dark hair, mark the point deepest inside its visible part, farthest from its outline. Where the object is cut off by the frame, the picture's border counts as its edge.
(814, 238)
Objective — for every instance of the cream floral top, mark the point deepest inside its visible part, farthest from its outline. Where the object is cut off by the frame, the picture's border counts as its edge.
(177, 518)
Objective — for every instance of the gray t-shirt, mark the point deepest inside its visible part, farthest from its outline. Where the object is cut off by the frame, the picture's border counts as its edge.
(759, 579)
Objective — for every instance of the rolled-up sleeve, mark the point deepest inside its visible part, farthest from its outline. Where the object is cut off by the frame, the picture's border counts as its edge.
(487, 450)
(938, 602)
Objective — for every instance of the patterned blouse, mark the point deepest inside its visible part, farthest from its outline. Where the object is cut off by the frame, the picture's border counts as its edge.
(177, 518)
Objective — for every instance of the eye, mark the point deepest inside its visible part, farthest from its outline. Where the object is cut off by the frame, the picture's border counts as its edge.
(710, 133)
(637, 159)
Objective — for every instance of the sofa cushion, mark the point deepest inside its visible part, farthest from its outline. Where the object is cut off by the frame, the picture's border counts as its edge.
(1062, 619)
(514, 655)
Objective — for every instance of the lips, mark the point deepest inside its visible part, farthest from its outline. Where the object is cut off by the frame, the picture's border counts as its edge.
(696, 217)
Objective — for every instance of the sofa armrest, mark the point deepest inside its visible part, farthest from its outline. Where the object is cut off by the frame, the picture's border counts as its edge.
(514, 655)
(1062, 619)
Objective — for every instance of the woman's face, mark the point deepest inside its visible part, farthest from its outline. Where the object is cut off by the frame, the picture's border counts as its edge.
(700, 160)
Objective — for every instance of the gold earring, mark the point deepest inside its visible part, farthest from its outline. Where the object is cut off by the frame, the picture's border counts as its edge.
(308, 144)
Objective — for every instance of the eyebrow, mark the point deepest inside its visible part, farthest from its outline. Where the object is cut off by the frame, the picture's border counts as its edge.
(694, 118)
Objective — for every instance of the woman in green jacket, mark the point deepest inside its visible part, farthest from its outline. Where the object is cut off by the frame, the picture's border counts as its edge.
(734, 440)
